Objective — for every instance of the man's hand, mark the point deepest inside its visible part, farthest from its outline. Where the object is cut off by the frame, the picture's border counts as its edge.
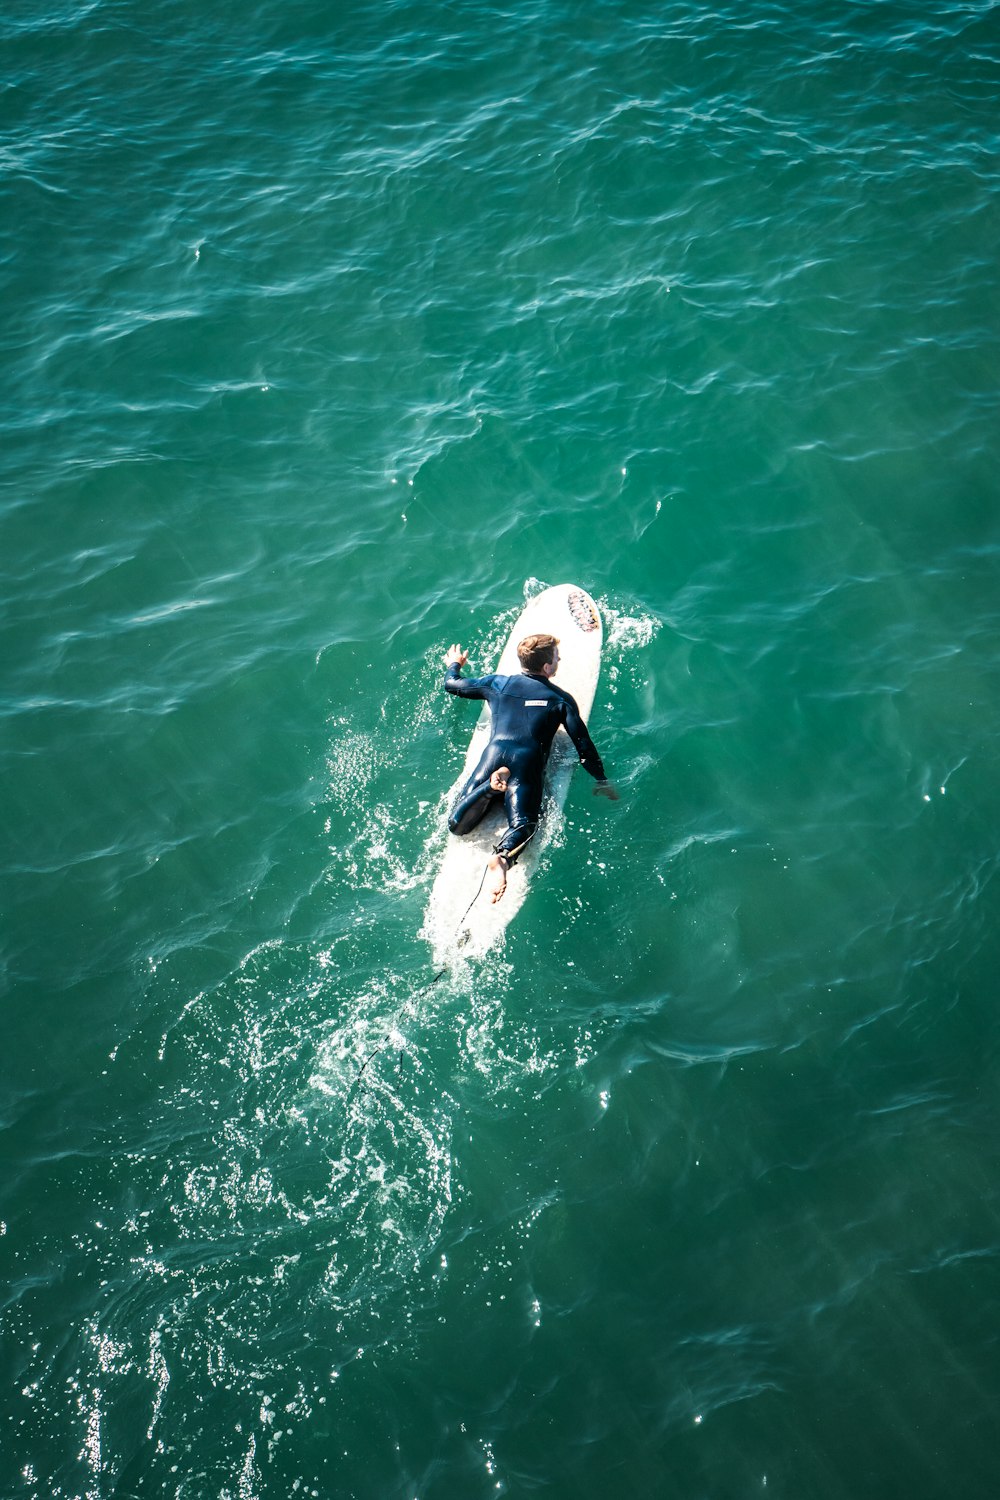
(455, 656)
(606, 789)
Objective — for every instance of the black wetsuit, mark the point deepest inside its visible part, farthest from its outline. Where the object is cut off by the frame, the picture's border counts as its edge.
(527, 711)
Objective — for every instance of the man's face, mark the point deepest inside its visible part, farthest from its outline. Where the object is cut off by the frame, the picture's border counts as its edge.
(555, 661)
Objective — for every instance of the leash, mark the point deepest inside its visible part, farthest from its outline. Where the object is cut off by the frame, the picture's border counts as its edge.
(471, 904)
(426, 990)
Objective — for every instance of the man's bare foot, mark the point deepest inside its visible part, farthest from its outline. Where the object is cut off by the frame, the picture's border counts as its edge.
(498, 868)
(499, 778)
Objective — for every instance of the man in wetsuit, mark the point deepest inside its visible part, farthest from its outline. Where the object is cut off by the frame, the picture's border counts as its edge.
(527, 710)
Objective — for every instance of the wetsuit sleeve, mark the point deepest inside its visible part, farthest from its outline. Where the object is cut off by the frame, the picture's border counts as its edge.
(465, 687)
(585, 747)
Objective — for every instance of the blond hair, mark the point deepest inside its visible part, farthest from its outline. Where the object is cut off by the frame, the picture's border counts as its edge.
(535, 651)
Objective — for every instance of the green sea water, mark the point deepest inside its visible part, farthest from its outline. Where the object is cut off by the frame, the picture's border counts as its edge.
(333, 333)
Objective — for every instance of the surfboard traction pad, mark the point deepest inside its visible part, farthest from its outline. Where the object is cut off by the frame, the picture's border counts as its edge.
(453, 936)
(583, 610)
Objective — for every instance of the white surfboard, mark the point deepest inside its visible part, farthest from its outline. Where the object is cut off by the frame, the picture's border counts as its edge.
(453, 929)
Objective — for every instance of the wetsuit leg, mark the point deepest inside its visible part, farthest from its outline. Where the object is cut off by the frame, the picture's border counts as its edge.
(477, 796)
(521, 804)
(522, 800)
(472, 807)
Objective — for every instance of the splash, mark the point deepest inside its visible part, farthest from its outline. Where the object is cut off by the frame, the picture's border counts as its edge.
(627, 632)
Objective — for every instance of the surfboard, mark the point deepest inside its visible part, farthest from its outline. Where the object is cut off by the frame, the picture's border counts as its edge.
(457, 922)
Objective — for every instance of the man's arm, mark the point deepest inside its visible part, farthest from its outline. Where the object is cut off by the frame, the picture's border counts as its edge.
(464, 687)
(587, 751)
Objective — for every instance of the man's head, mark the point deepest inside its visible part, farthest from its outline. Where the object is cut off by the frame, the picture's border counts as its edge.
(536, 652)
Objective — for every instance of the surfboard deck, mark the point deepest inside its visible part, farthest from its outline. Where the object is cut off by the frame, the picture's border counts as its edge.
(453, 930)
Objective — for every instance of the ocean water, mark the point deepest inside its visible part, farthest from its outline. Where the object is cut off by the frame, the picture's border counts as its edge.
(332, 333)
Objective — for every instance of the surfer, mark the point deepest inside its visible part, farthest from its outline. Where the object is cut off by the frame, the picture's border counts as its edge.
(526, 710)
